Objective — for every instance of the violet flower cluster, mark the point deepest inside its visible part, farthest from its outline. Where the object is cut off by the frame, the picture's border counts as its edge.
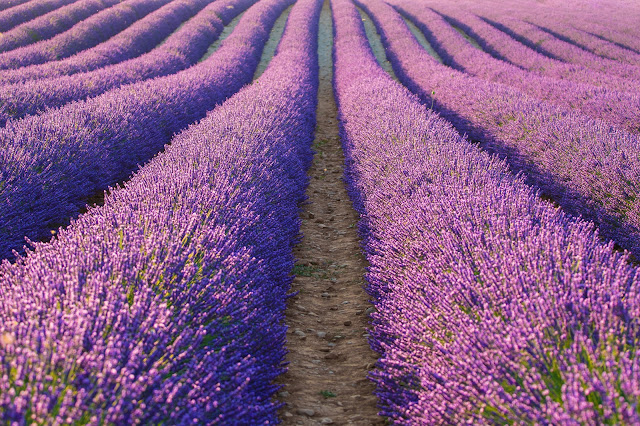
(21, 13)
(51, 165)
(52, 23)
(166, 304)
(181, 50)
(618, 108)
(86, 34)
(141, 37)
(493, 306)
(593, 172)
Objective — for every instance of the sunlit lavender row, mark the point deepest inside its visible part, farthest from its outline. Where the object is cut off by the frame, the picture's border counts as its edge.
(139, 38)
(86, 34)
(493, 306)
(53, 163)
(16, 12)
(165, 304)
(151, 185)
(589, 167)
(52, 23)
(180, 50)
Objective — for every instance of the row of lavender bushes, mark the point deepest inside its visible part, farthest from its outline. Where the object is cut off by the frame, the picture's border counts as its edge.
(52, 164)
(543, 42)
(52, 23)
(181, 50)
(593, 172)
(166, 304)
(21, 13)
(618, 108)
(140, 38)
(11, 3)
(86, 34)
(502, 46)
(493, 307)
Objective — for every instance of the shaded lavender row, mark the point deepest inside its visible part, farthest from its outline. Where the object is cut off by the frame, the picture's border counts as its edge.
(139, 38)
(52, 164)
(20, 14)
(181, 50)
(166, 305)
(52, 23)
(587, 166)
(493, 307)
(502, 46)
(618, 108)
(543, 42)
(84, 35)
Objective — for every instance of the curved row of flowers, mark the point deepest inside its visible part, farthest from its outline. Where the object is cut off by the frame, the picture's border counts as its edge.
(165, 305)
(19, 13)
(86, 34)
(587, 166)
(52, 23)
(181, 50)
(52, 164)
(493, 306)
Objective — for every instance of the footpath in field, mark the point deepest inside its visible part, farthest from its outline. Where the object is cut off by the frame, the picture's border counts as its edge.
(327, 339)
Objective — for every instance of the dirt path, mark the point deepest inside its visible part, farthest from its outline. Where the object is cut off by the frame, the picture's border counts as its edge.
(329, 354)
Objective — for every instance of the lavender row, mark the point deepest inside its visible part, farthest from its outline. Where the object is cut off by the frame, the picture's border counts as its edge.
(502, 46)
(166, 304)
(543, 42)
(11, 3)
(493, 307)
(20, 14)
(52, 164)
(138, 39)
(84, 35)
(52, 23)
(589, 167)
(618, 108)
(560, 27)
(180, 51)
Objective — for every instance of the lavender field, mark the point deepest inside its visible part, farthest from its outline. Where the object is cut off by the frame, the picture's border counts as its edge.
(371, 212)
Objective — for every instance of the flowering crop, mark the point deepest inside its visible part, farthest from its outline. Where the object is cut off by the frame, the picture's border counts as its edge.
(180, 50)
(84, 35)
(52, 23)
(20, 13)
(618, 108)
(53, 163)
(136, 40)
(493, 307)
(165, 305)
(537, 39)
(594, 172)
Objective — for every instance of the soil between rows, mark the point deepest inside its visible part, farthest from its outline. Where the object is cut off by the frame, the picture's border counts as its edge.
(329, 354)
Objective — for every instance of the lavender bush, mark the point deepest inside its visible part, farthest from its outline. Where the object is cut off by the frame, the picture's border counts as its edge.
(138, 39)
(52, 164)
(52, 23)
(594, 172)
(181, 50)
(618, 108)
(20, 13)
(493, 307)
(84, 35)
(166, 304)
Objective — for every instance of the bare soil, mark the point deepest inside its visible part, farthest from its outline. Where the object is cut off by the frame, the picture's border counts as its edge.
(329, 353)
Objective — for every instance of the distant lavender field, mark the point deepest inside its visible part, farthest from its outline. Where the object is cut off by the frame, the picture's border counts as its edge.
(152, 177)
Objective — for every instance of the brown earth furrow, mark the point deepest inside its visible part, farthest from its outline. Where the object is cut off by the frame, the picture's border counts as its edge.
(329, 354)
